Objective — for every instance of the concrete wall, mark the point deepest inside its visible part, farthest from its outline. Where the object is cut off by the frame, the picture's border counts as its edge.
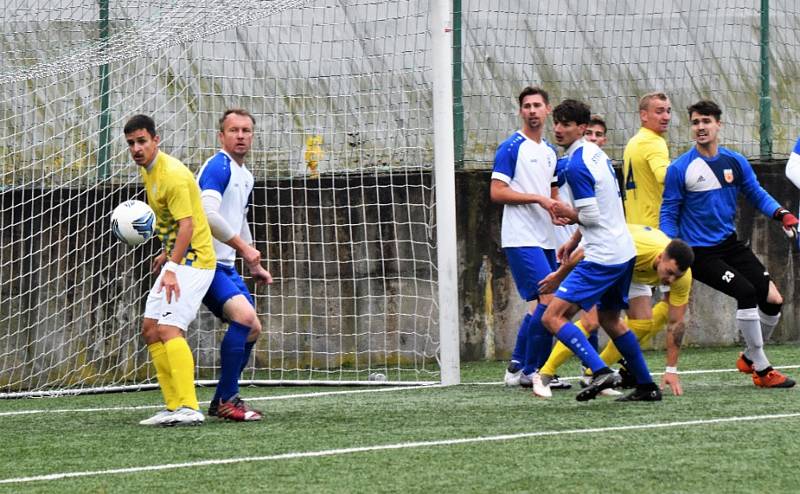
(72, 296)
(493, 309)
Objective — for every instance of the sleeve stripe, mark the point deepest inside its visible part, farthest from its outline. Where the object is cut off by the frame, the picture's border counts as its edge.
(587, 201)
(501, 176)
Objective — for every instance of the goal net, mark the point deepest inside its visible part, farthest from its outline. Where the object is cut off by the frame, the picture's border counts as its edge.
(343, 210)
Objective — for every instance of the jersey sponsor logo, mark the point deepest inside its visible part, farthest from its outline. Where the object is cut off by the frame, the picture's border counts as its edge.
(727, 277)
(728, 174)
(562, 289)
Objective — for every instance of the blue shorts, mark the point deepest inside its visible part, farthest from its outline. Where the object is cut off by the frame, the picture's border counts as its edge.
(529, 266)
(591, 283)
(226, 284)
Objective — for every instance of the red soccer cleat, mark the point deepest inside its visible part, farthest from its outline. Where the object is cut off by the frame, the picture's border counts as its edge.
(236, 410)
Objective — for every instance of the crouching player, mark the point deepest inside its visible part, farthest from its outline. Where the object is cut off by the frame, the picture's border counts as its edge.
(659, 262)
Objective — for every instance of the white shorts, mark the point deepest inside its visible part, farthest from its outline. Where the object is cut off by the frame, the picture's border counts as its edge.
(642, 290)
(193, 284)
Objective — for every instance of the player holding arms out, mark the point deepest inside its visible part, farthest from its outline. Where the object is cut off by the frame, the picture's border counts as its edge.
(226, 185)
(523, 179)
(604, 275)
(699, 207)
(185, 267)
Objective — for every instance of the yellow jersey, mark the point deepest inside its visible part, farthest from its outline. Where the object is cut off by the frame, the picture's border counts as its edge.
(644, 167)
(173, 194)
(649, 243)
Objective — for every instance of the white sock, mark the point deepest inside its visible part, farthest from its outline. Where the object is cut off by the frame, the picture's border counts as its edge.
(768, 324)
(748, 322)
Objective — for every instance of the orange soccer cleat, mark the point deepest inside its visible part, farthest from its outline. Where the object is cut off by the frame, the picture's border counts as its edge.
(773, 379)
(744, 364)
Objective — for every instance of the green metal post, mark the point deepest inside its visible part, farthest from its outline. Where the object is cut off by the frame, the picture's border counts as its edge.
(765, 102)
(458, 92)
(103, 150)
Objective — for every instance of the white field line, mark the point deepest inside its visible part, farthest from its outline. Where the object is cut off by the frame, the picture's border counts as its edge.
(680, 372)
(386, 447)
(323, 393)
(261, 398)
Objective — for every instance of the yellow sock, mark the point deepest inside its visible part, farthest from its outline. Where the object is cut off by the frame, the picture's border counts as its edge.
(182, 366)
(640, 327)
(559, 354)
(660, 317)
(158, 354)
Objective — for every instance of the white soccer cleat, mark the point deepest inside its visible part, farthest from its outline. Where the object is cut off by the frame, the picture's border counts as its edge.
(610, 392)
(540, 389)
(158, 418)
(511, 379)
(184, 416)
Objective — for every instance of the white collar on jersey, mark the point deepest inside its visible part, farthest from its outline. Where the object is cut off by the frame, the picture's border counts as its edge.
(575, 145)
(230, 157)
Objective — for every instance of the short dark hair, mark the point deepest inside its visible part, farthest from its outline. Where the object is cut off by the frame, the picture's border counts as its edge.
(680, 252)
(137, 122)
(531, 90)
(238, 111)
(598, 120)
(572, 110)
(707, 108)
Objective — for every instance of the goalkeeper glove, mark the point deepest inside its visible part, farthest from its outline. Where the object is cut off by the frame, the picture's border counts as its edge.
(788, 221)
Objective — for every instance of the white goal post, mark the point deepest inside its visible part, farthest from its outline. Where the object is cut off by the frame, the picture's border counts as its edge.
(353, 210)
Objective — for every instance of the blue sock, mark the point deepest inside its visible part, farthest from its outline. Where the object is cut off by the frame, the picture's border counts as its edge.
(540, 342)
(248, 349)
(518, 355)
(593, 340)
(570, 335)
(231, 353)
(629, 347)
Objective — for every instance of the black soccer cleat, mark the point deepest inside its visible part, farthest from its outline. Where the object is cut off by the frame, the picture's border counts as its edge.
(556, 383)
(213, 408)
(643, 392)
(600, 381)
(627, 379)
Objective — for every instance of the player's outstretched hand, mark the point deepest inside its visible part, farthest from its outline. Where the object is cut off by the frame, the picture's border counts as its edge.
(788, 222)
(673, 381)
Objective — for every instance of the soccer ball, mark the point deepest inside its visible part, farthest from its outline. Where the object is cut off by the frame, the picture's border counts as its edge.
(133, 222)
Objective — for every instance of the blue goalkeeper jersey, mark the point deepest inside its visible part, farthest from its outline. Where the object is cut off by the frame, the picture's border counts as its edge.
(699, 203)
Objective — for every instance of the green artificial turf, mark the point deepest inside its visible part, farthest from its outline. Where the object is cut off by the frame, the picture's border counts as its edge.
(557, 447)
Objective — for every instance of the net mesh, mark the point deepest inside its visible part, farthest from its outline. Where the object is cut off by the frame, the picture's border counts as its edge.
(611, 53)
(342, 209)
